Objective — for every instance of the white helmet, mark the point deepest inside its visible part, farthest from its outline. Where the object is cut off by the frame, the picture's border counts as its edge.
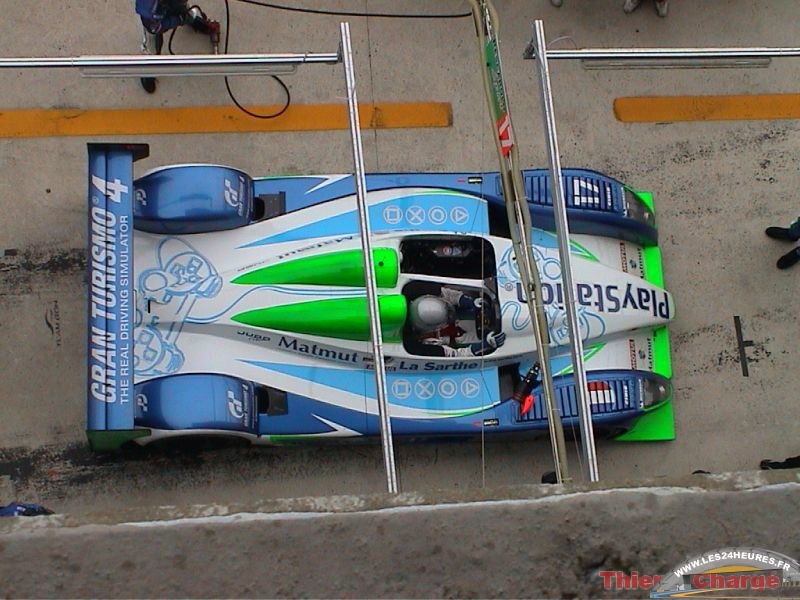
(428, 313)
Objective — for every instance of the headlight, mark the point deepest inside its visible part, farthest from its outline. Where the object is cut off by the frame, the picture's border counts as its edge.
(635, 208)
(654, 392)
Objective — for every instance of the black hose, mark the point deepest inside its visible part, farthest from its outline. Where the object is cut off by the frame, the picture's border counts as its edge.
(275, 77)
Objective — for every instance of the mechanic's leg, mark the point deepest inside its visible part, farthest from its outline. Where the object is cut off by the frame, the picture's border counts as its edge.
(151, 44)
(789, 259)
(794, 229)
(793, 462)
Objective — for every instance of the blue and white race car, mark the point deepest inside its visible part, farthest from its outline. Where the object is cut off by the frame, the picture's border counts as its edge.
(222, 305)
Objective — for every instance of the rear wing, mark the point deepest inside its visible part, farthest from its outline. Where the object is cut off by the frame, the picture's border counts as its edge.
(111, 302)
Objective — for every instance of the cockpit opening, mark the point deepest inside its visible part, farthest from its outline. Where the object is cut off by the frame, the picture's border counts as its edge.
(458, 256)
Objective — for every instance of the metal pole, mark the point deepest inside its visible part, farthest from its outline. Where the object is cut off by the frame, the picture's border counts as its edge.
(519, 220)
(672, 53)
(562, 233)
(175, 65)
(369, 273)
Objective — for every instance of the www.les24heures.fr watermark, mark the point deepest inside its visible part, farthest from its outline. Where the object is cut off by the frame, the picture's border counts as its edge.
(723, 569)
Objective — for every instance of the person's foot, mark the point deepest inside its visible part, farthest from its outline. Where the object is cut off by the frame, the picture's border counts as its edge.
(550, 477)
(149, 84)
(631, 5)
(662, 6)
(556, 2)
(789, 259)
(781, 233)
(767, 464)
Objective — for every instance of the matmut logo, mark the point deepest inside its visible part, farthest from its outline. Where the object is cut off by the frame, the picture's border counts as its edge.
(734, 571)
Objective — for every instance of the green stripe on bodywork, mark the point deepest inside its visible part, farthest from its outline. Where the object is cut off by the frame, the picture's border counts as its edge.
(341, 318)
(582, 251)
(658, 422)
(344, 268)
(111, 441)
(647, 198)
(288, 439)
(443, 192)
(458, 413)
(662, 357)
(588, 353)
(656, 425)
(653, 267)
(575, 247)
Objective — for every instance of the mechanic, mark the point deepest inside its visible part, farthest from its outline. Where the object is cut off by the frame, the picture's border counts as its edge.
(161, 16)
(433, 327)
(789, 234)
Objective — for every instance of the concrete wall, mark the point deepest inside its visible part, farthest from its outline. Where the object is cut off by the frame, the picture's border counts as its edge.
(531, 541)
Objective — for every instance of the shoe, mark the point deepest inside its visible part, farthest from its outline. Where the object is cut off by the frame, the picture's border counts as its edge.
(767, 465)
(550, 477)
(781, 233)
(662, 6)
(556, 3)
(149, 84)
(631, 5)
(790, 258)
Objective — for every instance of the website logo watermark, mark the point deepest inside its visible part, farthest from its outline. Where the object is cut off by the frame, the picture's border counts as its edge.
(722, 569)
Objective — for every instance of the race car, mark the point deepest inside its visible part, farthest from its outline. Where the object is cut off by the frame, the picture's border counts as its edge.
(235, 307)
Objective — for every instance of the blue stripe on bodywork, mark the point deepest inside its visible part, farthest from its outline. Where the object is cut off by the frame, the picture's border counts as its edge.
(307, 417)
(452, 392)
(442, 393)
(301, 420)
(352, 381)
(439, 210)
(440, 396)
(304, 191)
(595, 202)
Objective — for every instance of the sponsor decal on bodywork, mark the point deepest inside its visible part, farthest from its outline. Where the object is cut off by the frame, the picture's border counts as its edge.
(595, 302)
(110, 302)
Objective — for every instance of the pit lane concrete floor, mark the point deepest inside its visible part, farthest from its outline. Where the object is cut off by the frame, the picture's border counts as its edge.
(717, 185)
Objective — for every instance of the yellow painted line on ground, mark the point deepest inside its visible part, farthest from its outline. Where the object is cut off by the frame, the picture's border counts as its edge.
(218, 119)
(660, 109)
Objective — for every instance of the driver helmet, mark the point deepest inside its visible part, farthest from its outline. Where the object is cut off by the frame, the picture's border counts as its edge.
(428, 313)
